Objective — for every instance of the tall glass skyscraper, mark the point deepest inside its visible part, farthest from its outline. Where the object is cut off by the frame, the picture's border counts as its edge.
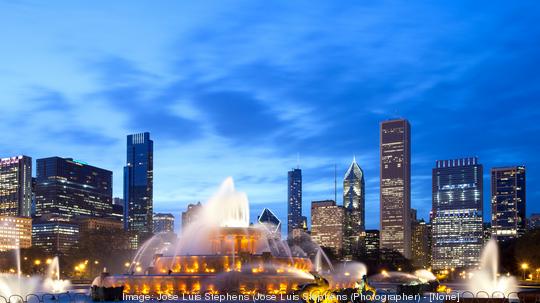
(457, 213)
(508, 203)
(395, 186)
(294, 201)
(354, 204)
(16, 186)
(138, 184)
(68, 188)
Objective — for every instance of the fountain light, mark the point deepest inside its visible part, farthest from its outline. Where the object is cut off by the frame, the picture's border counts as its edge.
(126, 264)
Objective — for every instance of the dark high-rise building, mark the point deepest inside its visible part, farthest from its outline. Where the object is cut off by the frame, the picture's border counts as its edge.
(487, 231)
(55, 235)
(67, 188)
(16, 186)
(371, 243)
(118, 201)
(420, 244)
(163, 223)
(327, 225)
(457, 233)
(508, 218)
(294, 201)
(191, 214)
(270, 221)
(534, 221)
(395, 186)
(138, 183)
(354, 204)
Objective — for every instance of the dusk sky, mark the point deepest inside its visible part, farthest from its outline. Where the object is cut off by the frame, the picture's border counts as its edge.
(234, 88)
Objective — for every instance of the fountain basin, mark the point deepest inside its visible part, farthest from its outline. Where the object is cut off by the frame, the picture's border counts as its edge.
(230, 282)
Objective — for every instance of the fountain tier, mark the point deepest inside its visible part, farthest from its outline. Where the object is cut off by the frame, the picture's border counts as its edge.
(219, 252)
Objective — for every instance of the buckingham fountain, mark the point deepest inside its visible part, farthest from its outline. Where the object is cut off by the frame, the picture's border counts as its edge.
(220, 252)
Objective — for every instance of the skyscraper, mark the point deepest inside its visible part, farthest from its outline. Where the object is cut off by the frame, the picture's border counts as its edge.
(67, 188)
(270, 221)
(421, 244)
(163, 223)
(457, 232)
(508, 203)
(294, 201)
(191, 214)
(55, 235)
(534, 221)
(16, 186)
(354, 204)
(327, 225)
(138, 183)
(371, 243)
(395, 186)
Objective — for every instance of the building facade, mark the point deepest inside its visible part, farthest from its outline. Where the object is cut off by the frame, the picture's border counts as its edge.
(371, 243)
(457, 232)
(421, 244)
(69, 188)
(294, 201)
(16, 186)
(55, 235)
(15, 233)
(508, 202)
(327, 225)
(138, 183)
(270, 221)
(89, 224)
(354, 204)
(395, 186)
(534, 221)
(163, 223)
(191, 214)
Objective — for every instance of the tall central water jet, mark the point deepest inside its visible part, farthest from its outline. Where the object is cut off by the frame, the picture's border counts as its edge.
(486, 279)
(228, 207)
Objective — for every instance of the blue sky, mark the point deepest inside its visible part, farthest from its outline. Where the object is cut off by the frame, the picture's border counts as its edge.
(240, 88)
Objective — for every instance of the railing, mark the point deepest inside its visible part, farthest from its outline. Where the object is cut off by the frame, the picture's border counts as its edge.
(65, 297)
(498, 296)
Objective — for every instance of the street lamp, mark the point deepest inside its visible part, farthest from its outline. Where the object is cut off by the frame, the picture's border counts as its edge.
(524, 267)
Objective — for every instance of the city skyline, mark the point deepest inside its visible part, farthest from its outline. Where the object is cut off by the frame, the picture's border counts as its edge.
(248, 113)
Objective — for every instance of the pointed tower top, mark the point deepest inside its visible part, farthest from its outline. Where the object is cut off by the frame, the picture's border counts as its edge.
(354, 158)
(355, 169)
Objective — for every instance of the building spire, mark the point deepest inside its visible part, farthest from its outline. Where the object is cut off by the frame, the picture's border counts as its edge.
(354, 158)
(335, 182)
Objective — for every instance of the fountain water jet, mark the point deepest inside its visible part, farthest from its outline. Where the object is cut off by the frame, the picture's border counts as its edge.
(16, 284)
(486, 278)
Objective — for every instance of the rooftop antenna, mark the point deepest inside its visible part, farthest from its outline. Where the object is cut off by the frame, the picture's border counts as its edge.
(335, 182)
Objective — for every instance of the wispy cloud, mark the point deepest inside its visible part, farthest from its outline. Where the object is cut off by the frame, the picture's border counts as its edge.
(239, 88)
